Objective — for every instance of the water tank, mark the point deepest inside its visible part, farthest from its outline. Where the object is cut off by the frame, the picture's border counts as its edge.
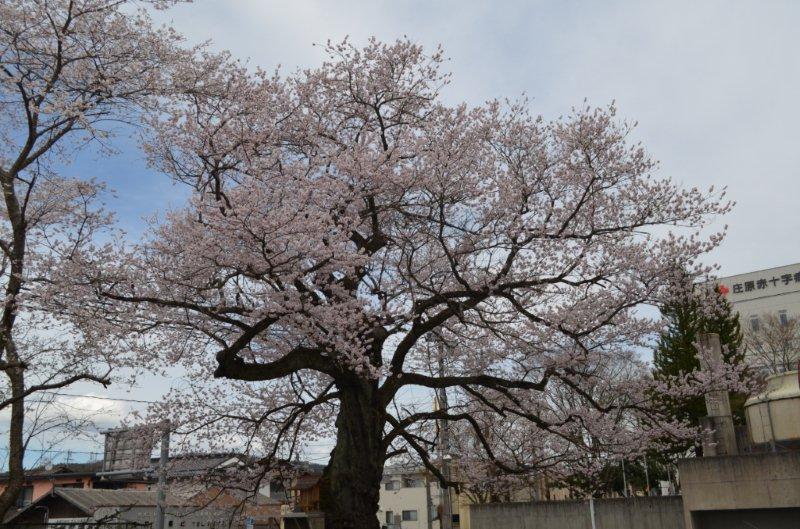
(773, 417)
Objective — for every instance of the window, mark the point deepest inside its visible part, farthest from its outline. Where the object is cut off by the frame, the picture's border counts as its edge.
(754, 326)
(457, 518)
(413, 483)
(783, 317)
(389, 517)
(392, 485)
(409, 516)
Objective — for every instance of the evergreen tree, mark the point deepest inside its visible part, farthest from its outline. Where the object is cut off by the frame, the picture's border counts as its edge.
(676, 353)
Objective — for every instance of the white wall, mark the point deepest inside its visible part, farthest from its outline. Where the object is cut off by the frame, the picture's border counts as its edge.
(405, 499)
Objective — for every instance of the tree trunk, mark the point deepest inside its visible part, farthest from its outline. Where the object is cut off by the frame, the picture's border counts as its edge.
(16, 449)
(351, 482)
(9, 357)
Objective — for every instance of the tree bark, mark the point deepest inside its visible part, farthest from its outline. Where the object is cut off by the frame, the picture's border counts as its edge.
(351, 482)
(9, 356)
(16, 448)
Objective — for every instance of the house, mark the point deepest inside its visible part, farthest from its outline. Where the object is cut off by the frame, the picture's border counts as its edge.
(73, 506)
(184, 473)
(303, 510)
(411, 498)
(65, 506)
(43, 479)
(263, 512)
(408, 498)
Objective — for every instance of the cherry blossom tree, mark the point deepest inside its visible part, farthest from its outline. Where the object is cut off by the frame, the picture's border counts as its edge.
(69, 70)
(353, 242)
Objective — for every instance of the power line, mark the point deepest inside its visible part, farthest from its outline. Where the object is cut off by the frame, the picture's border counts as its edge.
(120, 399)
(57, 451)
(400, 401)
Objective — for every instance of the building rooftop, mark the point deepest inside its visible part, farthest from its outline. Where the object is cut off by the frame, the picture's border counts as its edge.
(306, 481)
(84, 469)
(89, 500)
(179, 466)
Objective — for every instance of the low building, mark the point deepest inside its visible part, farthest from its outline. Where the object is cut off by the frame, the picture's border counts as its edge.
(263, 511)
(74, 506)
(407, 499)
(67, 507)
(303, 510)
(185, 474)
(41, 480)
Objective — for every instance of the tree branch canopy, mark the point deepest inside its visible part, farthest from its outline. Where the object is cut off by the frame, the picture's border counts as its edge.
(348, 228)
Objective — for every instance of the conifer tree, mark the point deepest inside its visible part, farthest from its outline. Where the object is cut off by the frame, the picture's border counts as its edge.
(676, 354)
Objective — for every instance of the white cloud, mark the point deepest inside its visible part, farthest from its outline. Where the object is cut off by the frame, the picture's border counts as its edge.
(712, 84)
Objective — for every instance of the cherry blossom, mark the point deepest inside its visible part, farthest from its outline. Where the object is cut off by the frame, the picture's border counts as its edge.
(69, 71)
(348, 230)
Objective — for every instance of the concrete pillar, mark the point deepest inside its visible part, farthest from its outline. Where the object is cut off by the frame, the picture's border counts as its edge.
(719, 437)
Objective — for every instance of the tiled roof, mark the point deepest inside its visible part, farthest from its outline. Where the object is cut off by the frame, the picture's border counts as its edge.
(403, 470)
(214, 494)
(90, 500)
(194, 463)
(306, 481)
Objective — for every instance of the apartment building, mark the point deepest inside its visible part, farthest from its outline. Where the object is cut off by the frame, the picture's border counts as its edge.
(411, 498)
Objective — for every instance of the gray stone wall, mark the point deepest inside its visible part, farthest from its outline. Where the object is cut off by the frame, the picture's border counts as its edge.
(739, 483)
(622, 513)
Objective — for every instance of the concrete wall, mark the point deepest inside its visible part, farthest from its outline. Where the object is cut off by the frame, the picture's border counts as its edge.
(631, 513)
(754, 481)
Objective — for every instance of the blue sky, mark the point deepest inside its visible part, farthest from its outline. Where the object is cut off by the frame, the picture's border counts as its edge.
(712, 84)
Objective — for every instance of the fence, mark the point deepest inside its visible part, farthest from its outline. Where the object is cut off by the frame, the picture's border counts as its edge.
(79, 525)
(659, 512)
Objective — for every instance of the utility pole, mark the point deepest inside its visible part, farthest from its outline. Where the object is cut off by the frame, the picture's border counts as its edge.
(161, 495)
(669, 477)
(446, 517)
(624, 480)
(646, 475)
(429, 501)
